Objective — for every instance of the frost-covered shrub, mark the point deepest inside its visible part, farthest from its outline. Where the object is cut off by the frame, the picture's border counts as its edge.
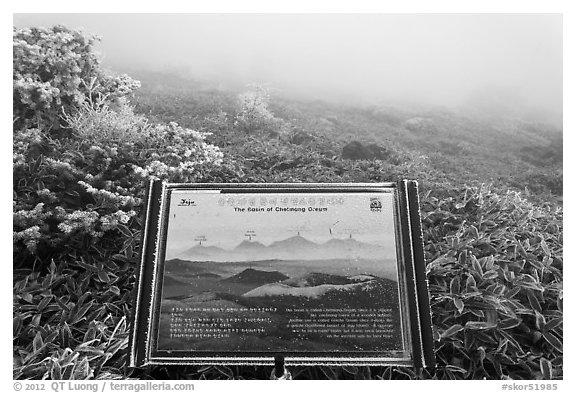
(70, 194)
(254, 114)
(96, 120)
(254, 108)
(56, 68)
(179, 154)
(77, 195)
(88, 187)
(80, 189)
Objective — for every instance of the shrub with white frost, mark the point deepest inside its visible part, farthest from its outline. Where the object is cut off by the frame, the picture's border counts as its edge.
(56, 69)
(85, 183)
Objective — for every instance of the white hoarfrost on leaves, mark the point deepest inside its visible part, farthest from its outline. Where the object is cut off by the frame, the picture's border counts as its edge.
(111, 221)
(181, 152)
(254, 113)
(102, 119)
(81, 154)
(79, 219)
(93, 223)
(112, 198)
(56, 69)
(29, 236)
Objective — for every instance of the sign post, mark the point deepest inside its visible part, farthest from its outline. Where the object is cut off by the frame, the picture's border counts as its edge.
(329, 274)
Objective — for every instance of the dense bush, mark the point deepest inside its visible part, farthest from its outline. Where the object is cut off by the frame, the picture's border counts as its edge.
(254, 114)
(80, 185)
(76, 198)
(55, 70)
(495, 274)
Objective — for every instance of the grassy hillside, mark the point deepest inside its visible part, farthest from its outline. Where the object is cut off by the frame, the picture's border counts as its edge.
(303, 140)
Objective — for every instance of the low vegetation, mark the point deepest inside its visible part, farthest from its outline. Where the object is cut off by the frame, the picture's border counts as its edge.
(490, 193)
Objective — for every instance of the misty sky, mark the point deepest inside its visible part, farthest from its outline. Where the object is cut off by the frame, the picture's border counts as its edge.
(443, 59)
(225, 227)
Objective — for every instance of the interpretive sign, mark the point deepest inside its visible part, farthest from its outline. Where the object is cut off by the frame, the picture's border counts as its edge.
(319, 273)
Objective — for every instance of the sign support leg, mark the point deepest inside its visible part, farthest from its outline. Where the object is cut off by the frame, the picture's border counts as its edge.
(279, 371)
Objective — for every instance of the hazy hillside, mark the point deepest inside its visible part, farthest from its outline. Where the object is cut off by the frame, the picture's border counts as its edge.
(304, 140)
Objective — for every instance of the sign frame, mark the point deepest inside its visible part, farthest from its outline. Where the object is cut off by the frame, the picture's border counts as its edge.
(413, 287)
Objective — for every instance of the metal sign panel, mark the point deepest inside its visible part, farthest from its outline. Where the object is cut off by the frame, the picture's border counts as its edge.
(318, 273)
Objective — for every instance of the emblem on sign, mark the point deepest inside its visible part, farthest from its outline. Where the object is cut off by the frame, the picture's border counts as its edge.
(375, 204)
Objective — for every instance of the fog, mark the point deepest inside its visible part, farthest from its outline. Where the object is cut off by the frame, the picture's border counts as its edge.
(489, 61)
